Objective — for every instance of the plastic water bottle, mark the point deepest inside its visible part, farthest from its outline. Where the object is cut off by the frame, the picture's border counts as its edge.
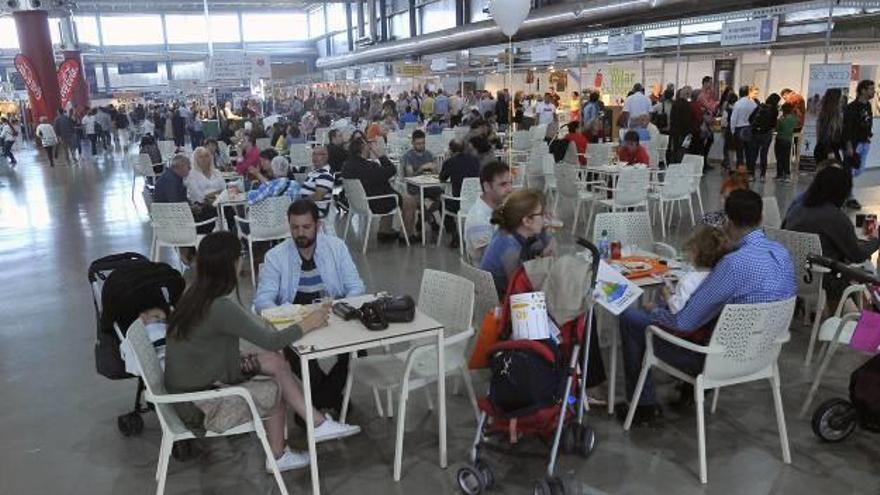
(604, 245)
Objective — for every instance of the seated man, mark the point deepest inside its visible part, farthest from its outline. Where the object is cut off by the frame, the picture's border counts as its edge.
(478, 229)
(456, 169)
(631, 152)
(417, 161)
(757, 271)
(318, 185)
(306, 267)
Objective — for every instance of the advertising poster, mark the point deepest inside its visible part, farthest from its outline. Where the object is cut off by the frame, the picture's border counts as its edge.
(822, 78)
(725, 72)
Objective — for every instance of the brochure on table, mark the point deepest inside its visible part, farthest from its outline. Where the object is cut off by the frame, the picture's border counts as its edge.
(614, 292)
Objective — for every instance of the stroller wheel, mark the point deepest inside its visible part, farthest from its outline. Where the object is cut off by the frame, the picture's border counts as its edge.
(486, 473)
(834, 420)
(586, 440)
(470, 481)
(130, 424)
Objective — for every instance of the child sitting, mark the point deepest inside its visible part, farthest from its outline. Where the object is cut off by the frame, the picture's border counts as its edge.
(705, 249)
(630, 151)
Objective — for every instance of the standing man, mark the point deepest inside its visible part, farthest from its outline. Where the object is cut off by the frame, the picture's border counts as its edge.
(739, 122)
(65, 129)
(545, 111)
(441, 106)
(636, 112)
(478, 229)
(46, 133)
(455, 106)
(307, 267)
(857, 120)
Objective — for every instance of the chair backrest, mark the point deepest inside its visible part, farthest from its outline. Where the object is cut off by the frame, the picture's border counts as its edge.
(632, 186)
(357, 196)
(660, 142)
(268, 218)
(567, 181)
(321, 134)
(598, 154)
(461, 132)
(434, 143)
(539, 132)
(770, 213)
(470, 191)
(571, 154)
(799, 245)
(144, 165)
(696, 165)
(447, 298)
(264, 143)
(522, 140)
(173, 223)
(447, 135)
(166, 148)
(630, 228)
(484, 286)
(751, 335)
(151, 373)
(676, 182)
(536, 162)
(300, 154)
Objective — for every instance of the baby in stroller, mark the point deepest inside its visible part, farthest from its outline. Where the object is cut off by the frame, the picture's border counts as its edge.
(154, 323)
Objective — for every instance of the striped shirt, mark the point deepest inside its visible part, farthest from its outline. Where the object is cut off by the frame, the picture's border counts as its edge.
(321, 178)
(311, 285)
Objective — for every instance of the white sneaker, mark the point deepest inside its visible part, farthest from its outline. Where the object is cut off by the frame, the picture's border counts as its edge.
(331, 429)
(290, 459)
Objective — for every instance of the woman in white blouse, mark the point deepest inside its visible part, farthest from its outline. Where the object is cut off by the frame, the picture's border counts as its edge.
(204, 182)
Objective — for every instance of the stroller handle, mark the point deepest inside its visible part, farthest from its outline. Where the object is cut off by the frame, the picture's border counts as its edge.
(594, 251)
(843, 270)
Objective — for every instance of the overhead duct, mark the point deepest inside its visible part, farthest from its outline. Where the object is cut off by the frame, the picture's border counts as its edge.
(547, 21)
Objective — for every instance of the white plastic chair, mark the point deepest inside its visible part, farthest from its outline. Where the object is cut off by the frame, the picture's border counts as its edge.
(166, 149)
(770, 213)
(630, 190)
(676, 187)
(142, 166)
(359, 204)
(266, 221)
(470, 191)
(799, 245)
(835, 331)
(300, 154)
(539, 132)
(696, 163)
(484, 287)
(657, 149)
(434, 143)
(522, 141)
(173, 428)
(263, 143)
(449, 299)
(744, 348)
(322, 135)
(568, 186)
(599, 154)
(174, 227)
(539, 159)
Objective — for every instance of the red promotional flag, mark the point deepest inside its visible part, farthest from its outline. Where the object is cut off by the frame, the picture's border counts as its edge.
(29, 75)
(69, 73)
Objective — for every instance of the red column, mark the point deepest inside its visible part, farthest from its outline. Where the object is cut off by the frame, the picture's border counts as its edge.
(81, 99)
(35, 43)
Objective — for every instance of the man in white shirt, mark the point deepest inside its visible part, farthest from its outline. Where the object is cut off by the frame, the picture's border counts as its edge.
(545, 111)
(739, 121)
(478, 229)
(47, 136)
(636, 109)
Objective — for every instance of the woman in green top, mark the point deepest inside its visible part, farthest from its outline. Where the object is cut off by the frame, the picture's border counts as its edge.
(203, 353)
(785, 127)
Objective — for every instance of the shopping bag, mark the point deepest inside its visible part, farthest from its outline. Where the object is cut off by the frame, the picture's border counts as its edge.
(866, 336)
(490, 333)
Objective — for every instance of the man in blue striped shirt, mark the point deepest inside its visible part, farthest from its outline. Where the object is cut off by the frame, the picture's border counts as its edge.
(758, 270)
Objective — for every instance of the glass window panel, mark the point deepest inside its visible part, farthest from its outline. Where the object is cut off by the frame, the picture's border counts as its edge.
(86, 29)
(276, 27)
(316, 22)
(54, 31)
(186, 28)
(224, 28)
(336, 16)
(8, 33)
(400, 25)
(132, 30)
(437, 16)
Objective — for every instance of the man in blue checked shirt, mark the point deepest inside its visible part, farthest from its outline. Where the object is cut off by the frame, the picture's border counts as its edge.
(757, 271)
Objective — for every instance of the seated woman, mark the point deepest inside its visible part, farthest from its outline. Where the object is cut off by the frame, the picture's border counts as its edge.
(204, 182)
(820, 213)
(203, 353)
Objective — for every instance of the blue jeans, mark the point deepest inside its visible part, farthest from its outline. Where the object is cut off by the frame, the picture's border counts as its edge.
(633, 323)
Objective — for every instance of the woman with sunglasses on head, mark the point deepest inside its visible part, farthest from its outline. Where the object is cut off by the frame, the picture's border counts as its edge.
(203, 353)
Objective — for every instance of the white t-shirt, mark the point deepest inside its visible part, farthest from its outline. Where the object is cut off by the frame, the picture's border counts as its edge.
(685, 288)
(545, 112)
(88, 123)
(47, 134)
(478, 230)
(198, 185)
(637, 104)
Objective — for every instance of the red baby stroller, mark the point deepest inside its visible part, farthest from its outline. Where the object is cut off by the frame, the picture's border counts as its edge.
(532, 393)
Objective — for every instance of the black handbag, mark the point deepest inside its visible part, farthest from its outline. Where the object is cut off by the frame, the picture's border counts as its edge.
(397, 309)
(372, 316)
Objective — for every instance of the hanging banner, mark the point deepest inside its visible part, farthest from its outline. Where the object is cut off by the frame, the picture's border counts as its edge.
(227, 66)
(69, 74)
(408, 70)
(614, 80)
(822, 78)
(751, 32)
(626, 44)
(29, 75)
(544, 52)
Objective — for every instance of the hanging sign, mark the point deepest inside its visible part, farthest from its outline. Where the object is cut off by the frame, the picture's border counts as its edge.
(626, 44)
(438, 64)
(751, 32)
(544, 52)
(408, 70)
(227, 66)
(69, 74)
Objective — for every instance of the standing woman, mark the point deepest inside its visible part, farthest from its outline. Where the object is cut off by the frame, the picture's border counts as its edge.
(178, 126)
(203, 353)
(680, 125)
(829, 127)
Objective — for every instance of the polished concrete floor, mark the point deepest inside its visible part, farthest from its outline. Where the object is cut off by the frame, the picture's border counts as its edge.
(58, 416)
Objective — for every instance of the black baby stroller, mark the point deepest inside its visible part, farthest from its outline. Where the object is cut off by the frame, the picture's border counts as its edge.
(532, 392)
(835, 419)
(123, 285)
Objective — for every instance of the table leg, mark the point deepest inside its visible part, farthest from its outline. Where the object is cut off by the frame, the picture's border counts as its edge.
(441, 396)
(310, 425)
(422, 206)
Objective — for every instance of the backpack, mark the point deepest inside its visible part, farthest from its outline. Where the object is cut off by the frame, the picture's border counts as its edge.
(526, 377)
(763, 119)
(864, 393)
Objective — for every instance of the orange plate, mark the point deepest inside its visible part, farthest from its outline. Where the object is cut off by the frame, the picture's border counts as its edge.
(657, 268)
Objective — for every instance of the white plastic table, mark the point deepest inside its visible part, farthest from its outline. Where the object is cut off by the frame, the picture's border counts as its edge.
(424, 182)
(343, 337)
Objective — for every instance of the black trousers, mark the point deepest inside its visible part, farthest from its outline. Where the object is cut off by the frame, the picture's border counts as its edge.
(327, 388)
